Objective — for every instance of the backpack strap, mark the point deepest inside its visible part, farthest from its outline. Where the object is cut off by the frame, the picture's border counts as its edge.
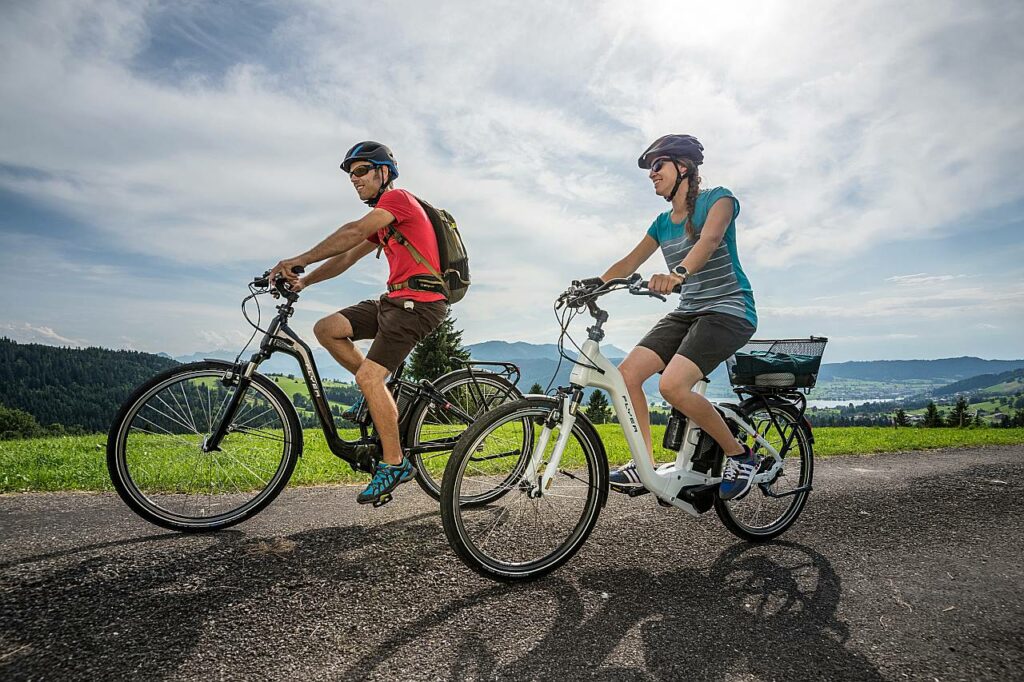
(394, 233)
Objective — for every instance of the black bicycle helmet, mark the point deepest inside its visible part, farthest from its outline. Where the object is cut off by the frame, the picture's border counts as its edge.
(376, 153)
(675, 147)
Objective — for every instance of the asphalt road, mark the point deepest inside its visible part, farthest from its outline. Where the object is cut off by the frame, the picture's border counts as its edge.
(902, 566)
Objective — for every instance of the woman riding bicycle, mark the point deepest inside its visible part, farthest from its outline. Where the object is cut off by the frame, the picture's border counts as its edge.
(715, 316)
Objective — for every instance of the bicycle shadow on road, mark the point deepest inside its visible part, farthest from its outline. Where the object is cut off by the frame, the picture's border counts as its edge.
(325, 601)
(766, 610)
(143, 610)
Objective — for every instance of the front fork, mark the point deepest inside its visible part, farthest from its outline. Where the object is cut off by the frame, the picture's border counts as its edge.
(242, 381)
(567, 418)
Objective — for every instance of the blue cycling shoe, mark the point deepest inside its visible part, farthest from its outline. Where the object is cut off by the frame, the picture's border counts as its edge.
(738, 474)
(386, 477)
(625, 479)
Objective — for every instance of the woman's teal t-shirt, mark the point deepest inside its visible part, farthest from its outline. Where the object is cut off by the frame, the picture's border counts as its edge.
(721, 285)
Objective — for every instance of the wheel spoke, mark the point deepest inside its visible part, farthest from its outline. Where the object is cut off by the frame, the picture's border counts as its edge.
(515, 531)
(177, 483)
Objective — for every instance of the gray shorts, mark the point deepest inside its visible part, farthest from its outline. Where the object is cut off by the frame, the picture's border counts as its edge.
(705, 338)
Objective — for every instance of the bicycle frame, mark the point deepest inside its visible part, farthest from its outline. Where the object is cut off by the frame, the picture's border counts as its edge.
(671, 483)
(279, 337)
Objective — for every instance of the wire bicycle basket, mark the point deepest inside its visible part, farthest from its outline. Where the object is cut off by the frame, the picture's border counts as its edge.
(777, 363)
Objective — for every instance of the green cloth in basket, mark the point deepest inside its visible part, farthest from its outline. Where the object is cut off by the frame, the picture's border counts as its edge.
(751, 364)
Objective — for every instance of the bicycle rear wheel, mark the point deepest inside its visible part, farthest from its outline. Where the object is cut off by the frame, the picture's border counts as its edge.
(156, 460)
(769, 508)
(524, 534)
(437, 426)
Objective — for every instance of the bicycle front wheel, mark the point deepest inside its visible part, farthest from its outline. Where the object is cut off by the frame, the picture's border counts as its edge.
(769, 508)
(155, 449)
(528, 532)
(435, 427)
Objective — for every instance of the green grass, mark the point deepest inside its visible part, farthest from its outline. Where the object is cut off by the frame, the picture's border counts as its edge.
(79, 463)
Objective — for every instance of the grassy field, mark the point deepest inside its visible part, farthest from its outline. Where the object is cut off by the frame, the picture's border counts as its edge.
(79, 463)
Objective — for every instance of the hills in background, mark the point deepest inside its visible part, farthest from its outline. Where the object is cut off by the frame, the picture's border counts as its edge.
(854, 380)
(70, 386)
(84, 387)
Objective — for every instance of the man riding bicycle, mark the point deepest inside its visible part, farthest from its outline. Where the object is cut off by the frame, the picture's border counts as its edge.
(411, 309)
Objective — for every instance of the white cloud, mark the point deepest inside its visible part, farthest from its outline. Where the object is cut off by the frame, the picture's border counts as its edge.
(947, 302)
(839, 139)
(27, 332)
(922, 279)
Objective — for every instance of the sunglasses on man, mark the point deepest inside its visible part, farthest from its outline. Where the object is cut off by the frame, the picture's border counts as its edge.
(360, 171)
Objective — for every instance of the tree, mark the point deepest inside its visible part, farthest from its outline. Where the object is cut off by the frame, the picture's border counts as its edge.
(299, 400)
(597, 408)
(17, 424)
(977, 420)
(436, 354)
(958, 417)
(536, 388)
(901, 418)
(1017, 419)
(932, 416)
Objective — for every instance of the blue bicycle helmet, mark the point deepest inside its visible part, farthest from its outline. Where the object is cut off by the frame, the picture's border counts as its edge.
(376, 153)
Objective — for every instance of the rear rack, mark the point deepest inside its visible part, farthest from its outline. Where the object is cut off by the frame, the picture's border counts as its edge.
(509, 371)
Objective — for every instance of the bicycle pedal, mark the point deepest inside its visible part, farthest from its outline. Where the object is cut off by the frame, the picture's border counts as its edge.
(382, 500)
(636, 492)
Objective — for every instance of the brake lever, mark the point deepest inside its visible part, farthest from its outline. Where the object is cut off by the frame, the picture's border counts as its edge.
(263, 281)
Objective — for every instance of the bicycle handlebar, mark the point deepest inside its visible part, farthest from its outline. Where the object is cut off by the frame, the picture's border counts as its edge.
(280, 284)
(580, 293)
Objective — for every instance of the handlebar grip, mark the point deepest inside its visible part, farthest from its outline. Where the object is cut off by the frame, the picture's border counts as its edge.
(298, 269)
(675, 290)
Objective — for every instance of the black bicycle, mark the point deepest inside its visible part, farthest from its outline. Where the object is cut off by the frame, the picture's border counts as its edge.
(206, 445)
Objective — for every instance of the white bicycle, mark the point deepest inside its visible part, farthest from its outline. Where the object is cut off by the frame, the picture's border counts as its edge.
(558, 483)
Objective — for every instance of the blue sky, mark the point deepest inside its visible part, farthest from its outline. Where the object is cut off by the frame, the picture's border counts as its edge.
(154, 156)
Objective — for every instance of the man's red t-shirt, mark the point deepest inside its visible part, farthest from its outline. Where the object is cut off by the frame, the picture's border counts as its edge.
(413, 223)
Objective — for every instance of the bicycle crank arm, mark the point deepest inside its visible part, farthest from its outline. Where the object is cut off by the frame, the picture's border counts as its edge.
(510, 453)
(794, 491)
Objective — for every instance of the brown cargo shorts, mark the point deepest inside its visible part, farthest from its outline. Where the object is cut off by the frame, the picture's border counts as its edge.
(396, 325)
(707, 339)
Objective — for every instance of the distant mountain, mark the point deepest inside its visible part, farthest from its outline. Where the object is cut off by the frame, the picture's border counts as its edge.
(1014, 378)
(951, 369)
(536, 361)
(520, 350)
(84, 387)
(81, 387)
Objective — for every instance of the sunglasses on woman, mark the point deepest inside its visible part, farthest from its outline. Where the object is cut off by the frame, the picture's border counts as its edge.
(658, 164)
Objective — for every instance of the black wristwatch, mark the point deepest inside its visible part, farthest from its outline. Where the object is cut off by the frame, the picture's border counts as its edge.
(680, 271)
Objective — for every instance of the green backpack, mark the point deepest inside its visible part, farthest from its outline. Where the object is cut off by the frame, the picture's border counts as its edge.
(453, 280)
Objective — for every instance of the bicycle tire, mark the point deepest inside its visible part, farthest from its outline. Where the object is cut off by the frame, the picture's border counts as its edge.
(458, 387)
(731, 512)
(591, 479)
(149, 495)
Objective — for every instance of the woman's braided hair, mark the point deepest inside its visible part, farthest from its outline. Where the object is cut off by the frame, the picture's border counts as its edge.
(692, 190)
